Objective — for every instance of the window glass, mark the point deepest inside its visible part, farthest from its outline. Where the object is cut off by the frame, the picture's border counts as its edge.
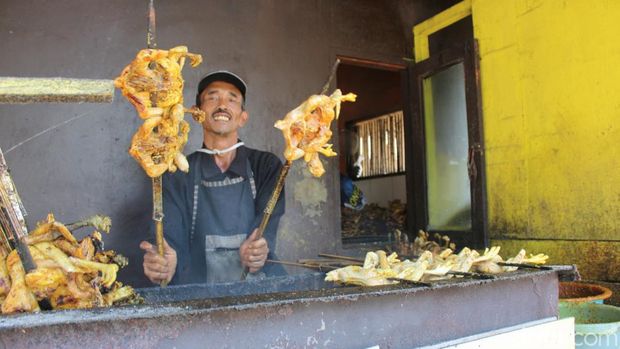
(445, 123)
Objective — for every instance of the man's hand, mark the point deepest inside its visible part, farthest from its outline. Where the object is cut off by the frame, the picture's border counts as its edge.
(253, 252)
(159, 268)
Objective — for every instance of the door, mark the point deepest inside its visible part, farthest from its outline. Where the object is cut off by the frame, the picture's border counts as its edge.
(445, 148)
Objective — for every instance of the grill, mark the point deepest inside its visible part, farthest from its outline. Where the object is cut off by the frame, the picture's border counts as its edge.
(296, 311)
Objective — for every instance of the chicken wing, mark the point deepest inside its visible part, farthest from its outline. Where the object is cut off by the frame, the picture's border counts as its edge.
(49, 230)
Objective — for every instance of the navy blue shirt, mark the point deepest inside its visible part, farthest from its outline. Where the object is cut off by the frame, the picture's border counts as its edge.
(178, 195)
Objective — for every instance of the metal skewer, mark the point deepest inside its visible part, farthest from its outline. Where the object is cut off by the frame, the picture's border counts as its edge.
(345, 258)
(411, 282)
(158, 206)
(281, 176)
(524, 266)
(333, 261)
(472, 275)
(332, 74)
(151, 41)
(319, 267)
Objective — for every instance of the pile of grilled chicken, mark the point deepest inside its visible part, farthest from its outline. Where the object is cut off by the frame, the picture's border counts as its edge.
(152, 82)
(381, 269)
(69, 273)
(306, 129)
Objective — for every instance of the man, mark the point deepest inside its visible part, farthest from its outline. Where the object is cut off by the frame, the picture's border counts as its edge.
(212, 212)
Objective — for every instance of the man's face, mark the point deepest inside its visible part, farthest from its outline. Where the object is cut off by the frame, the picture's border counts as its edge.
(222, 102)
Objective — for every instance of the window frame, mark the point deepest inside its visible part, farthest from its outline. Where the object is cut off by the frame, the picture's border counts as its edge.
(417, 200)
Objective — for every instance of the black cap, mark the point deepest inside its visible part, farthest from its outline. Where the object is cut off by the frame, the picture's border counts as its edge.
(224, 76)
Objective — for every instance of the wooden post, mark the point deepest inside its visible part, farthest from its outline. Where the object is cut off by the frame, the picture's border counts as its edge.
(55, 90)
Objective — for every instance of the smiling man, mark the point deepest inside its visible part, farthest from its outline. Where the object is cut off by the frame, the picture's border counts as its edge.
(212, 212)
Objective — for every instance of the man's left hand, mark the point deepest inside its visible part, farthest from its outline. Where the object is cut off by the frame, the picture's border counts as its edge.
(253, 252)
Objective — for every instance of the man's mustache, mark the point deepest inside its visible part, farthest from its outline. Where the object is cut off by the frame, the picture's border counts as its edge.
(220, 110)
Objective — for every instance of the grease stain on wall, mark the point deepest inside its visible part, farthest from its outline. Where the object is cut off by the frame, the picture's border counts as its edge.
(310, 192)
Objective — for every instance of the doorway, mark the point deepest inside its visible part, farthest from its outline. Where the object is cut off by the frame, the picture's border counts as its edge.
(372, 151)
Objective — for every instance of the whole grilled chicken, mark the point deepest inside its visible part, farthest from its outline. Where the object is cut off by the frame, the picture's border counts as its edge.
(306, 129)
(152, 82)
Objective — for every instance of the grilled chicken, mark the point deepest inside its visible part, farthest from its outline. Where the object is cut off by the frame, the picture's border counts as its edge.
(356, 275)
(44, 281)
(152, 82)
(118, 293)
(49, 230)
(69, 274)
(306, 129)
(20, 297)
(5, 279)
(378, 267)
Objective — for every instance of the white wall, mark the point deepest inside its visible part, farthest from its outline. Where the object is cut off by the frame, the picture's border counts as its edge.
(384, 189)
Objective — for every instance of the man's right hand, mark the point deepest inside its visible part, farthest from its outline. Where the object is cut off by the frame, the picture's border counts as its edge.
(159, 268)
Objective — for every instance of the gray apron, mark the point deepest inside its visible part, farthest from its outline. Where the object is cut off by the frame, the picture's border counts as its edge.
(222, 216)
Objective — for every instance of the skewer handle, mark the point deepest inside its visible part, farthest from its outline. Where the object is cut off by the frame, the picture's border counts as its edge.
(274, 198)
(159, 238)
(271, 204)
(158, 217)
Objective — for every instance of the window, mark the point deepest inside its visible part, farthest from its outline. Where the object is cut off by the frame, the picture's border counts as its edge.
(381, 145)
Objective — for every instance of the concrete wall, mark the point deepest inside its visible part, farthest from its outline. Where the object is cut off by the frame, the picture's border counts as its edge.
(72, 160)
(549, 72)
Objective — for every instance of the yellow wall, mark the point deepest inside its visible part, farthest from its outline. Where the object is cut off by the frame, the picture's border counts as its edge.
(550, 72)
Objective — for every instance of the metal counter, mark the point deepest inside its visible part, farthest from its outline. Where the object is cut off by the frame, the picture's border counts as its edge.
(295, 312)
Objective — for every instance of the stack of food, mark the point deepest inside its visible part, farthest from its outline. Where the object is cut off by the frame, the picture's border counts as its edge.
(69, 273)
(381, 269)
(373, 220)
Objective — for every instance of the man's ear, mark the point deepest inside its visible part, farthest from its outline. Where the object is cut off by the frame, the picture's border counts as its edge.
(244, 118)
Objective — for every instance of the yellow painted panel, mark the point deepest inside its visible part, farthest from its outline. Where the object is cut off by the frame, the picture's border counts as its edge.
(595, 260)
(551, 109)
(435, 23)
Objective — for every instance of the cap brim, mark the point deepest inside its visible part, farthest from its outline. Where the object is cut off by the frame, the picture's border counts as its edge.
(224, 76)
